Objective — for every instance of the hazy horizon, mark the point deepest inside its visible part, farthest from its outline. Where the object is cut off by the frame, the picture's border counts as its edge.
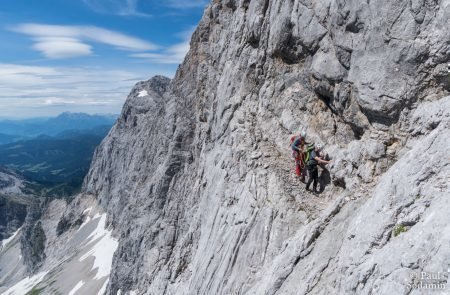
(19, 118)
(85, 56)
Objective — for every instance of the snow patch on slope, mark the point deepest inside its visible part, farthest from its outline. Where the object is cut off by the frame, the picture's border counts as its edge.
(6, 241)
(14, 184)
(76, 288)
(143, 93)
(26, 284)
(87, 210)
(103, 248)
(103, 289)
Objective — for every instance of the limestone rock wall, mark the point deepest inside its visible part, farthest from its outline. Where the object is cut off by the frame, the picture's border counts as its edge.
(197, 178)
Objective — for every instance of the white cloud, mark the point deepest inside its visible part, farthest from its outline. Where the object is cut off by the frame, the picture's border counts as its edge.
(56, 47)
(57, 41)
(118, 7)
(131, 7)
(58, 101)
(13, 69)
(35, 91)
(117, 39)
(172, 55)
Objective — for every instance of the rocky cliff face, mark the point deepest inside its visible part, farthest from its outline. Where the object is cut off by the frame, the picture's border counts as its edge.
(196, 178)
(13, 202)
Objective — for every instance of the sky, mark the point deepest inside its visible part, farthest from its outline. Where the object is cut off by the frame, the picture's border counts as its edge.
(85, 55)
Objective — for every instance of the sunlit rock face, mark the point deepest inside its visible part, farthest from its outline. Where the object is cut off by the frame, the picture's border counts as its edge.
(194, 187)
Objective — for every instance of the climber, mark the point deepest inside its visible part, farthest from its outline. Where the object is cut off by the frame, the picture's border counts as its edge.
(315, 159)
(298, 144)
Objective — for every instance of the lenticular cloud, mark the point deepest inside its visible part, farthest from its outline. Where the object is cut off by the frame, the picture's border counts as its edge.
(60, 47)
(57, 41)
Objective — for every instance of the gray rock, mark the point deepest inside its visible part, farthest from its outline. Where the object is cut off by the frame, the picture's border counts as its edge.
(12, 215)
(33, 238)
(374, 149)
(326, 65)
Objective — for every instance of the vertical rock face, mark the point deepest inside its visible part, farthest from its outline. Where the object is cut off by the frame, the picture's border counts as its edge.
(33, 238)
(197, 178)
(12, 216)
(13, 203)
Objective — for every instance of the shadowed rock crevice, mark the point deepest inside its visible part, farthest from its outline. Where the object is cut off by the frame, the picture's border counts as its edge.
(33, 238)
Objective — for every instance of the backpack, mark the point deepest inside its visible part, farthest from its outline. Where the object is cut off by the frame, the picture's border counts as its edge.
(293, 137)
(308, 151)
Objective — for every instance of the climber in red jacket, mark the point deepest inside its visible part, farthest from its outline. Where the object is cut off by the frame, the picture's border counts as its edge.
(298, 144)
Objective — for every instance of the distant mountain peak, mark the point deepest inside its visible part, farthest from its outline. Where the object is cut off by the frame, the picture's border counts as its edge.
(11, 131)
(76, 115)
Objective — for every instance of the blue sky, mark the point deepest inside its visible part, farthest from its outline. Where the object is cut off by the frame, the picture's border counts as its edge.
(85, 55)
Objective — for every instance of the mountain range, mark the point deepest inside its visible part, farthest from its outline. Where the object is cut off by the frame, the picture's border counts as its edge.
(53, 154)
(13, 130)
